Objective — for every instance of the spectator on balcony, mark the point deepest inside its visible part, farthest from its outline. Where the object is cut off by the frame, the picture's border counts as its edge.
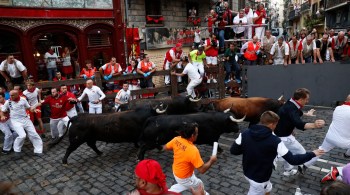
(13, 70)
(259, 18)
(197, 38)
(222, 22)
(192, 12)
(279, 52)
(240, 19)
(324, 50)
(51, 59)
(67, 68)
(211, 48)
(59, 77)
(146, 68)
(211, 18)
(294, 52)
(267, 43)
(89, 71)
(108, 71)
(249, 15)
(340, 46)
(307, 49)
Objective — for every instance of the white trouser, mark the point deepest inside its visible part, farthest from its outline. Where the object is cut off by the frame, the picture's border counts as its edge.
(200, 67)
(248, 32)
(134, 87)
(72, 112)
(294, 147)
(190, 87)
(260, 32)
(58, 126)
(6, 127)
(95, 108)
(19, 126)
(327, 145)
(278, 61)
(256, 188)
(186, 184)
(167, 77)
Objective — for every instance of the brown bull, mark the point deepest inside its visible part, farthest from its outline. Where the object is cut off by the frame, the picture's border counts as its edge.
(251, 108)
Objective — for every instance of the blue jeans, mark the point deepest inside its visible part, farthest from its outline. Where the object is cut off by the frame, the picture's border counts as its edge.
(236, 68)
(51, 72)
(308, 59)
(222, 38)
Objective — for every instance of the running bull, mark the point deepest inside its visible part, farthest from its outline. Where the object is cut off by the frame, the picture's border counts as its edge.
(161, 129)
(251, 108)
(112, 128)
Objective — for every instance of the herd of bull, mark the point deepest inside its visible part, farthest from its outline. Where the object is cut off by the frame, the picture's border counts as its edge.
(152, 123)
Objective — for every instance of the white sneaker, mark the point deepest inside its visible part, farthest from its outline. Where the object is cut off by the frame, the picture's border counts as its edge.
(290, 172)
(208, 81)
(215, 81)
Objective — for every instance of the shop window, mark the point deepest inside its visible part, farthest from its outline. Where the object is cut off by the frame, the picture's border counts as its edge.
(99, 37)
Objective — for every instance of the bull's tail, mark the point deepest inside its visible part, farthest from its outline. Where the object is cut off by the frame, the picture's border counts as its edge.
(55, 142)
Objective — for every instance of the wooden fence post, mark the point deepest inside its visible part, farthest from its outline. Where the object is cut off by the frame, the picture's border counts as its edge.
(221, 80)
(98, 80)
(173, 82)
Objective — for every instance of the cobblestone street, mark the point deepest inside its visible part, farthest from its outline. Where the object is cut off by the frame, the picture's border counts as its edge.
(112, 173)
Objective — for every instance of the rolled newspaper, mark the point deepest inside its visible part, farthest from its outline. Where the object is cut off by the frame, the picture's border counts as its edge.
(215, 148)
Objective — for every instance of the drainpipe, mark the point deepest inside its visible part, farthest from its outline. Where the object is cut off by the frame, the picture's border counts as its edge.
(126, 24)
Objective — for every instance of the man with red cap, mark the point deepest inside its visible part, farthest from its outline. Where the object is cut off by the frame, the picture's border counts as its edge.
(172, 58)
(150, 179)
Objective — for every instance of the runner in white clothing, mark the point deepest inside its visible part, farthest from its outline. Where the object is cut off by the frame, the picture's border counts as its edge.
(95, 96)
(6, 127)
(193, 75)
(122, 97)
(338, 134)
(17, 107)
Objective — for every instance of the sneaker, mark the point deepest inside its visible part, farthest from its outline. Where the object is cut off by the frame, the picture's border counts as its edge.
(346, 156)
(215, 81)
(302, 169)
(238, 81)
(6, 152)
(208, 81)
(328, 177)
(334, 173)
(290, 172)
(39, 154)
(17, 156)
(227, 81)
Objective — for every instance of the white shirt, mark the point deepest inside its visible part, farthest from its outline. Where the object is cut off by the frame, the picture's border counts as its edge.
(17, 109)
(51, 60)
(66, 60)
(12, 69)
(279, 54)
(237, 20)
(94, 94)
(197, 37)
(250, 16)
(32, 97)
(191, 71)
(339, 130)
(123, 96)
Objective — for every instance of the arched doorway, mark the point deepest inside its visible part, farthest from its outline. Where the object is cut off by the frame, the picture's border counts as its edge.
(57, 37)
(10, 43)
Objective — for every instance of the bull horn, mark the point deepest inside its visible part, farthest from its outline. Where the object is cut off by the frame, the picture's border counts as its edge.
(228, 109)
(280, 98)
(194, 100)
(237, 120)
(161, 111)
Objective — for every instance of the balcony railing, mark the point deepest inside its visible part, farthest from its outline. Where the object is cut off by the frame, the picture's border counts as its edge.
(154, 20)
(95, 4)
(333, 3)
(305, 7)
(294, 14)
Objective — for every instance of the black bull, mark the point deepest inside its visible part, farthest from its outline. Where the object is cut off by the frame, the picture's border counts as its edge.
(161, 129)
(112, 128)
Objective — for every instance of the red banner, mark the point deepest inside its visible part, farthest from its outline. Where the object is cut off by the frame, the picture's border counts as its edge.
(133, 41)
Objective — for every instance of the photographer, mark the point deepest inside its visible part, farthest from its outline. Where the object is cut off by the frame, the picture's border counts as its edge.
(230, 62)
(211, 48)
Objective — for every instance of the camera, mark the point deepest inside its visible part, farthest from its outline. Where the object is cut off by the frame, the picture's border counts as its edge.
(214, 43)
(220, 11)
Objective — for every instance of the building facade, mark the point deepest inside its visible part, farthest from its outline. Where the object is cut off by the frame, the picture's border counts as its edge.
(91, 29)
(337, 14)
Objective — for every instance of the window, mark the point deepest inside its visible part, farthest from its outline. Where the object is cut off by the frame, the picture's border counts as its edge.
(99, 37)
(153, 7)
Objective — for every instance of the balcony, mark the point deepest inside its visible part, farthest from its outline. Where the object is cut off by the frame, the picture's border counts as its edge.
(314, 20)
(335, 3)
(294, 14)
(305, 7)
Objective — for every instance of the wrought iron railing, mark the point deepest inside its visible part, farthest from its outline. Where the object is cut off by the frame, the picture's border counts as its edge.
(305, 7)
(332, 3)
(294, 14)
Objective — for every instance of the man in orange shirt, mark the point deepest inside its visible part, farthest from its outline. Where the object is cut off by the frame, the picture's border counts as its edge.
(187, 158)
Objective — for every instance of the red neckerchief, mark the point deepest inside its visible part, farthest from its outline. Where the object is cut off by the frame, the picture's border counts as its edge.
(51, 52)
(16, 99)
(295, 45)
(301, 106)
(347, 103)
(31, 90)
(246, 11)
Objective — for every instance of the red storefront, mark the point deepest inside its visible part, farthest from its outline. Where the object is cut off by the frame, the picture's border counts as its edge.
(94, 34)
